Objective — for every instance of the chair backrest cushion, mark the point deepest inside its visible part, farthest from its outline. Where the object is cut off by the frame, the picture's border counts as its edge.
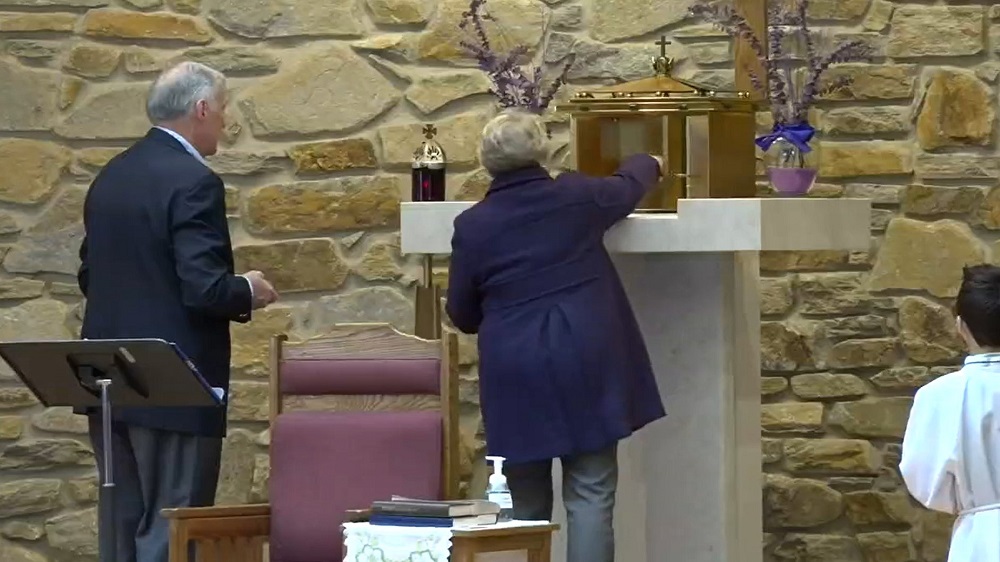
(320, 377)
(325, 463)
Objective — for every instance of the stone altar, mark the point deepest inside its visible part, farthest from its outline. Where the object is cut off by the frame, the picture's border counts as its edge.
(690, 484)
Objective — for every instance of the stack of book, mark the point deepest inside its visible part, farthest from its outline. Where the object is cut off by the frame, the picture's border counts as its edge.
(406, 512)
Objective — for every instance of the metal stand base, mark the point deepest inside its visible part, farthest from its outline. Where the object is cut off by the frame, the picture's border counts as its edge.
(108, 485)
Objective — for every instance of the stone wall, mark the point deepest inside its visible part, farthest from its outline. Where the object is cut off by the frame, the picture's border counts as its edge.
(329, 98)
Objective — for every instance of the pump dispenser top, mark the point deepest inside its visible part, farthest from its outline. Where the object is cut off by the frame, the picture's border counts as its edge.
(497, 477)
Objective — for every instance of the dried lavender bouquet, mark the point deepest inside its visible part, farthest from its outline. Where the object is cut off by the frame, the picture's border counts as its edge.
(787, 26)
(512, 85)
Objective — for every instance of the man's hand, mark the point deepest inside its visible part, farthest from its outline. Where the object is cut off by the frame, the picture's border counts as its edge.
(263, 293)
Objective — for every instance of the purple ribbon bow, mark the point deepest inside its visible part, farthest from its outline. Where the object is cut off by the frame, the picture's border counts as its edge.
(798, 134)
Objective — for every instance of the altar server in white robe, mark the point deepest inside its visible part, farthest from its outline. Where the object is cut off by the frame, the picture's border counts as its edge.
(951, 448)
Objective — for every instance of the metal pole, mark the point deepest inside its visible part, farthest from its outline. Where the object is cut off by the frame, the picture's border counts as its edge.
(428, 270)
(108, 485)
(427, 317)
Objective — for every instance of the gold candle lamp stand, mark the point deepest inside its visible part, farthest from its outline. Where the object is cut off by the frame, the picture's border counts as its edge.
(705, 135)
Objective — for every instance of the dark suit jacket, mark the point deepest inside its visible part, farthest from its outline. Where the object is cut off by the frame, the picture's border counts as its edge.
(157, 262)
(563, 368)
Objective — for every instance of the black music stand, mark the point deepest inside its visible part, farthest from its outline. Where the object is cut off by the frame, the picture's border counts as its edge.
(105, 374)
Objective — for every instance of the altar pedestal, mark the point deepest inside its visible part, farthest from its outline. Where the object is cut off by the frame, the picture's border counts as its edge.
(690, 484)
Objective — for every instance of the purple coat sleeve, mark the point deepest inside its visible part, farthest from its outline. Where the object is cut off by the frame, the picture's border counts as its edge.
(618, 194)
(463, 303)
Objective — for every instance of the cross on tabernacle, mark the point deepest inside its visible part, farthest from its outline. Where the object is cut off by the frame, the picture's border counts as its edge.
(430, 131)
(663, 45)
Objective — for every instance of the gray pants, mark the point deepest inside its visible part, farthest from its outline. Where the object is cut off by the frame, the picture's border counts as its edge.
(152, 470)
(590, 481)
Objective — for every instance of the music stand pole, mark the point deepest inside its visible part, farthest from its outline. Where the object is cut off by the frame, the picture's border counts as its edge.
(108, 486)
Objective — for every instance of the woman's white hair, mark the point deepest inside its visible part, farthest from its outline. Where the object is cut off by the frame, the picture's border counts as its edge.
(512, 140)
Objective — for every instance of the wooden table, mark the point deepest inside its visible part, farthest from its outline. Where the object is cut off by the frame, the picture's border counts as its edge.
(535, 538)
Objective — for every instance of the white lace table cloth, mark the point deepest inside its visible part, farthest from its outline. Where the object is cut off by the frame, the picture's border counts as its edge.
(382, 543)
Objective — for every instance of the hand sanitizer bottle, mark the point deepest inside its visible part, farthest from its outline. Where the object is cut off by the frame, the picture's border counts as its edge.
(498, 492)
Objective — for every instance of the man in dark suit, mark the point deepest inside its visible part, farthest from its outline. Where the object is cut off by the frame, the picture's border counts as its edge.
(157, 262)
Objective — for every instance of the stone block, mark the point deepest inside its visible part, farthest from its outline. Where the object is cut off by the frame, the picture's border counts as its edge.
(33, 169)
(333, 156)
(29, 497)
(92, 61)
(397, 12)
(298, 98)
(919, 199)
(824, 386)
(925, 256)
(334, 205)
(110, 112)
(784, 347)
(32, 22)
(861, 81)
(269, 19)
(371, 304)
(234, 60)
(876, 352)
(870, 507)
(31, 97)
(431, 92)
(459, 137)
(798, 503)
(295, 265)
(832, 293)
(958, 110)
(51, 245)
(865, 158)
(614, 20)
(840, 456)
(792, 417)
(516, 23)
(927, 332)
(876, 121)
(36, 455)
(817, 548)
(878, 418)
(107, 23)
(74, 534)
(935, 31)
(770, 386)
(776, 295)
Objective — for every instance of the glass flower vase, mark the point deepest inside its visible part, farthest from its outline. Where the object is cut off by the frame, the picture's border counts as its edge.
(791, 170)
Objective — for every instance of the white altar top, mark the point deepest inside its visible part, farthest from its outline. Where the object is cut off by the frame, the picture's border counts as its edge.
(700, 225)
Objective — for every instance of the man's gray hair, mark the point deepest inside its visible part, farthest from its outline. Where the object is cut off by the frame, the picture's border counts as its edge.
(177, 89)
(512, 140)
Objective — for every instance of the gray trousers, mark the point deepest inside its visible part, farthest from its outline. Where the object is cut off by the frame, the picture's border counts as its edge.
(152, 470)
(590, 481)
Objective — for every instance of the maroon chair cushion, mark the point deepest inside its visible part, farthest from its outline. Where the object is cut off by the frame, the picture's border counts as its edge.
(360, 376)
(325, 463)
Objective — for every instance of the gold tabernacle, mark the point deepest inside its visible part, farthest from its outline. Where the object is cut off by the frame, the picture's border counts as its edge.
(705, 135)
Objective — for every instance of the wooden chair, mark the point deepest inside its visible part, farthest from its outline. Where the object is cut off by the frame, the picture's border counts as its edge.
(357, 415)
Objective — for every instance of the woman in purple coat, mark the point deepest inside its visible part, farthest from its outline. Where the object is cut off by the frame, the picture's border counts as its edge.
(564, 372)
